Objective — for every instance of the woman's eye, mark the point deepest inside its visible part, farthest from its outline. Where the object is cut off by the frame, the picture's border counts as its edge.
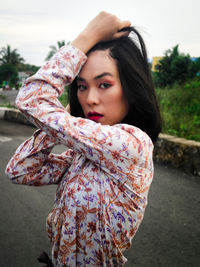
(105, 85)
(81, 87)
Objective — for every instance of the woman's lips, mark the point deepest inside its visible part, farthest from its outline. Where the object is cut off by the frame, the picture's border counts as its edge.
(94, 116)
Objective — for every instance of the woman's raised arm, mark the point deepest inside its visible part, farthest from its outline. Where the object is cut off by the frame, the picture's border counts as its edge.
(103, 27)
(118, 150)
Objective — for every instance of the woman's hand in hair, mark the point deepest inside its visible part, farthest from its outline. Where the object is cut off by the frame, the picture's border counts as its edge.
(103, 27)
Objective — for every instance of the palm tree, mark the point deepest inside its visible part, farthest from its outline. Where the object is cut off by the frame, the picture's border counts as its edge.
(9, 56)
(54, 49)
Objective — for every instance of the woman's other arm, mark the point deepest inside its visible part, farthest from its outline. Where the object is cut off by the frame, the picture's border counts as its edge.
(33, 164)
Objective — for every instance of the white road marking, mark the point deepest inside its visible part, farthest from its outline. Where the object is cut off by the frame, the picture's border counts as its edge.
(5, 139)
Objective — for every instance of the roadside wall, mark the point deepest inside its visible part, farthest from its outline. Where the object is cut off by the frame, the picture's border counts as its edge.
(15, 116)
(178, 152)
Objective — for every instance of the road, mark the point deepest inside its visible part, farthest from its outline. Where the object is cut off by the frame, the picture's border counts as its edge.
(8, 96)
(169, 235)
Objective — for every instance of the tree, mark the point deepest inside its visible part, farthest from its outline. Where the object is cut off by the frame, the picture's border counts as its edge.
(32, 69)
(175, 67)
(54, 49)
(9, 56)
(8, 72)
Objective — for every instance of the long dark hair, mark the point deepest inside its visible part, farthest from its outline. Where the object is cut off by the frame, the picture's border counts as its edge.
(135, 76)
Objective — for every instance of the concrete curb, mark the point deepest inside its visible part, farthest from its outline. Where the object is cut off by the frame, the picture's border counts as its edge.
(14, 115)
(178, 152)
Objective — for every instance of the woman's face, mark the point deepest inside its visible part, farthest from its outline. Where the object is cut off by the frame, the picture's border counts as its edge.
(100, 92)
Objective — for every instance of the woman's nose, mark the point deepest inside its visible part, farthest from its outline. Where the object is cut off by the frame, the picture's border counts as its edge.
(93, 97)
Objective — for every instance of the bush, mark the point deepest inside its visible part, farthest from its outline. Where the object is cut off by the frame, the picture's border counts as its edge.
(8, 73)
(175, 67)
(64, 97)
(180, 109)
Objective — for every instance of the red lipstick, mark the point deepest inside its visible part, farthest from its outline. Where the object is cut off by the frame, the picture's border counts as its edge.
(94, 116)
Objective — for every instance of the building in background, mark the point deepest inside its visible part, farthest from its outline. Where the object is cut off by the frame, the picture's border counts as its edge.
(155, 62)
(22, 76)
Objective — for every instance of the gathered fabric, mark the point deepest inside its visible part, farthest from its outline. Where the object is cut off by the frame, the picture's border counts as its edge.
(103, 176)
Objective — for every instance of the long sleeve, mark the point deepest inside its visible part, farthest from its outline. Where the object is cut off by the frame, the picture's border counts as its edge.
(103, 195)
(33, 164)
(118, 149)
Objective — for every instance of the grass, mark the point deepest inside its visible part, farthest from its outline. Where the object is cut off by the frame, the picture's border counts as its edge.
(64, 99)
(7, 105)
(4, 103)
(180, 109)
(2, 97)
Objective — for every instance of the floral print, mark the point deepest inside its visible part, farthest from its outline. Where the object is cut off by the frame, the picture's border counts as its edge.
(103, 176)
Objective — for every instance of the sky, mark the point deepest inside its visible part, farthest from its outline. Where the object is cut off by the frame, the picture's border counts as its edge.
(32, 26)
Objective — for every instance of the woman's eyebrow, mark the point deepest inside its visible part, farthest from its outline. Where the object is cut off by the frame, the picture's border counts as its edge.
(102, 75)
(80, 79)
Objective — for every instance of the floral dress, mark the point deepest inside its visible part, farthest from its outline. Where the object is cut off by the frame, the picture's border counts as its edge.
(103, 176)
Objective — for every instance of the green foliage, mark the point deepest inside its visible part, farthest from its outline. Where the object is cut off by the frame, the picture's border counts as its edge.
(4, 102)
(8, 72)
(192, 84)
(28, 68)
(175, 68)
(180, 109)
(54, 49)
(7, 105)
(11, 63)
(9, 56)
(2, 97)
(64, 97)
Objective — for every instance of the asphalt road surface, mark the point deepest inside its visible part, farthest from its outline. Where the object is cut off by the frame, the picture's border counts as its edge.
(169, 235)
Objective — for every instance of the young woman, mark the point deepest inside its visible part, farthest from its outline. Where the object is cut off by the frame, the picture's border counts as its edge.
(105, 173)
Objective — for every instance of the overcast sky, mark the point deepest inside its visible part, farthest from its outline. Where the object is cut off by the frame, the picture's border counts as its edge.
(32, 26)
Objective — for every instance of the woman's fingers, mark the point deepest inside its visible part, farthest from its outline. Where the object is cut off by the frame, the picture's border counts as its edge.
(120, 34)
(123, 31)
(103, 27)
(125, 25)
